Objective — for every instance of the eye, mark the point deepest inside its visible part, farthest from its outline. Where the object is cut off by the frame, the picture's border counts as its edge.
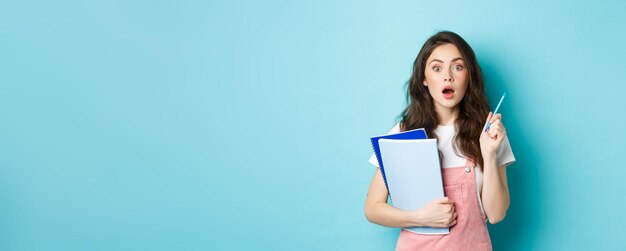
(458, 67)
(437, 69)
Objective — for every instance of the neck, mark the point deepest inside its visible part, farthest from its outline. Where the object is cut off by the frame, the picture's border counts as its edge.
(447, 116)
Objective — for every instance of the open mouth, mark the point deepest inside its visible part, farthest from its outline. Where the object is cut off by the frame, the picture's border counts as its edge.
(448, 90)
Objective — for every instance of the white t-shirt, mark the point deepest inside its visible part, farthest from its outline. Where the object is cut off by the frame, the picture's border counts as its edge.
(450, 159)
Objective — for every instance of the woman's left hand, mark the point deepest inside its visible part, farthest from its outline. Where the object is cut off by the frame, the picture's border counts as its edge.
(491, 140)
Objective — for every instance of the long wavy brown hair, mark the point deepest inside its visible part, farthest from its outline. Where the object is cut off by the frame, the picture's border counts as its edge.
(474, 107)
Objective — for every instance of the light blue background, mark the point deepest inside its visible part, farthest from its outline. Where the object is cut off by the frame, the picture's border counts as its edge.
(182, 125)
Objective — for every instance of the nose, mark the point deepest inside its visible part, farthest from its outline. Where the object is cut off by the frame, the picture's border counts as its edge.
(448, 79)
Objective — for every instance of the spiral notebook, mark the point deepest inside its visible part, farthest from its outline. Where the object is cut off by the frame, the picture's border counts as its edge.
(412, 134)
(413, 175)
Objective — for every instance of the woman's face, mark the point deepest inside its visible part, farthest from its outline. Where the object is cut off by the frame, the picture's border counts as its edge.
(446, 76)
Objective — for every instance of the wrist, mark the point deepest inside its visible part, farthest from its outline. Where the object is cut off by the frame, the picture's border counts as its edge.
(489, 157)
(416, 218)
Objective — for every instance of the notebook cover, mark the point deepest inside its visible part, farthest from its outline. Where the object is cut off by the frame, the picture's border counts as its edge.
(411, 134)
(413, 175)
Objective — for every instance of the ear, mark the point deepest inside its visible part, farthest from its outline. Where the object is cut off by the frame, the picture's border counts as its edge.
(425, 84)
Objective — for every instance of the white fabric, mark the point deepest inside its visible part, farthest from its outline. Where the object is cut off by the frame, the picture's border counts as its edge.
(450, 159)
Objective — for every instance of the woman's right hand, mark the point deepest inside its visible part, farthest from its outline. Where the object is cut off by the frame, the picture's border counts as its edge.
(438, 213)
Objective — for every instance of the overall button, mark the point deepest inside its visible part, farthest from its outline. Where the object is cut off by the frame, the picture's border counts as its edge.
(467, 169)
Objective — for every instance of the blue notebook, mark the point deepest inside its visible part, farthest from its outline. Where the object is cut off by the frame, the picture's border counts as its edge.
(412, 134)
(414, 175)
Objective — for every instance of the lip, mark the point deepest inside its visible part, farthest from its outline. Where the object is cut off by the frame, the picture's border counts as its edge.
(449, 95)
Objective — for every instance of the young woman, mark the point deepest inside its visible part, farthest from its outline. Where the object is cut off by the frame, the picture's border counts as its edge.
(446, 97)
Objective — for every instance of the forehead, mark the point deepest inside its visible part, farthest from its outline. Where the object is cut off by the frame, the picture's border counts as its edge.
(445, 52)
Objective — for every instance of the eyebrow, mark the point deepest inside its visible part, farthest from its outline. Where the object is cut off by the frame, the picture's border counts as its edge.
(459, 58)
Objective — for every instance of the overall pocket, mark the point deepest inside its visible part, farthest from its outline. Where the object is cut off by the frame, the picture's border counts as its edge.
(456, 193)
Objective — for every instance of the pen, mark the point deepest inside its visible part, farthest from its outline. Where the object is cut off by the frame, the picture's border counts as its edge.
(495, 111)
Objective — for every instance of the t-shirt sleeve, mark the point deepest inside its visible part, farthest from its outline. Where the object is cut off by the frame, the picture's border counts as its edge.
(505, 154)
(373, 159)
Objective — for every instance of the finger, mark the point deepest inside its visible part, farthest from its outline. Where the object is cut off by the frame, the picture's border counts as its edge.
(450, 220)
(496, 116)
(497, 129)
(496, 124)
(495, 121)
(493, 131)
(500, 134)
(501, 128)
(441, 201)
(445, 200)
(487, 121)
(492, 134)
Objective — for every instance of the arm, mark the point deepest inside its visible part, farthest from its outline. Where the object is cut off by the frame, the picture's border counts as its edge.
(439, 213)
(378, 211)
(495, 192)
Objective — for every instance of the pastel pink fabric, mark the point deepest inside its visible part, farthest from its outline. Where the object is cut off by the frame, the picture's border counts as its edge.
(470, 231)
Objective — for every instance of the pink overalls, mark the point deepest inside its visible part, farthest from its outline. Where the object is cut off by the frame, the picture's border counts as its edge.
(470, 231)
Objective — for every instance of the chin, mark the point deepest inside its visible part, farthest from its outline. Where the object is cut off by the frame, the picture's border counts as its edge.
(450, 104)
